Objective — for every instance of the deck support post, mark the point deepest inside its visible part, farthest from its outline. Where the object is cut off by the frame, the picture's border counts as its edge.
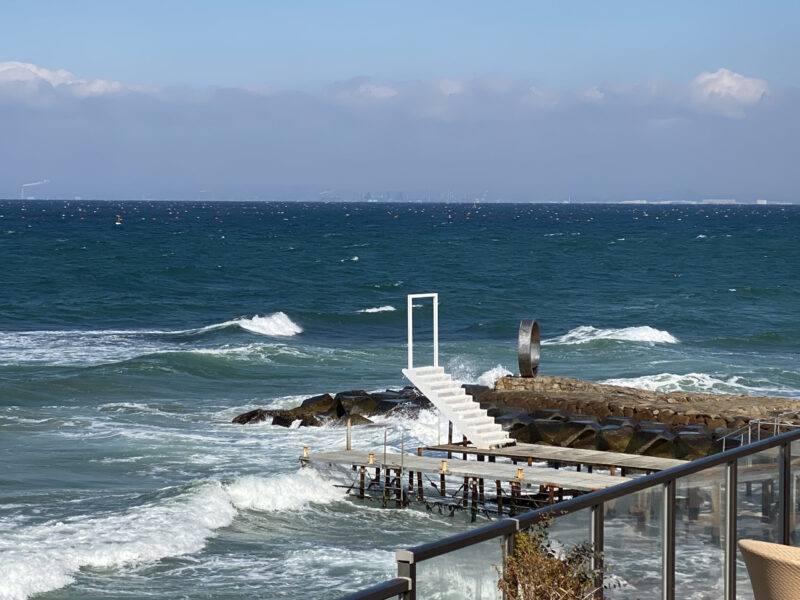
(362, 478)
(398, 493)
(499, 497)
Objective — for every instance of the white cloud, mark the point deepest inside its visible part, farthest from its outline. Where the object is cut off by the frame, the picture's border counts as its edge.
(727, 91)
(31, 77)
(451, 87)
(379, 92)
(593, 94)
(539, 98)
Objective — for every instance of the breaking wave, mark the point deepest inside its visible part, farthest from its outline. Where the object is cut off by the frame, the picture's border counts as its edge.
(40, 558)
(91, 347)
(275, 325)
(690, 382)
(587, 333)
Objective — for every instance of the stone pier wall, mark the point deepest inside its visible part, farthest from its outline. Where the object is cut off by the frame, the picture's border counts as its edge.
(672, 408)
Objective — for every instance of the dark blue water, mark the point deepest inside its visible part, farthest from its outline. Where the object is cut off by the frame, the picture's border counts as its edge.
(126, 349)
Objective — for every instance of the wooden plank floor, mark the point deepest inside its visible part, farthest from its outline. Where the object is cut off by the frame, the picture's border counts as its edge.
(569, 456)
(570, 480)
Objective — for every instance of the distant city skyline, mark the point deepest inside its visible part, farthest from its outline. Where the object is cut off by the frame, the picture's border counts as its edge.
(514, 101)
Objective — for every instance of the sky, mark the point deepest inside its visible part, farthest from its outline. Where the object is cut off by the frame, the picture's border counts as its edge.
(518, 101)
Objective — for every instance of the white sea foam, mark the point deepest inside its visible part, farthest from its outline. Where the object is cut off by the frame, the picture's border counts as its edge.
(689, 382)
(40, 558)
(587, 333)
(378, 309)
(45, 557)
(291, 491)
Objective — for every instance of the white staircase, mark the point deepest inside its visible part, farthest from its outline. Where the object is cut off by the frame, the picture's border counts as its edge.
(458, 406)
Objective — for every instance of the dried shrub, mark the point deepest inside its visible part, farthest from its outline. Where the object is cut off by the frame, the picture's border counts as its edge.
(536, 571)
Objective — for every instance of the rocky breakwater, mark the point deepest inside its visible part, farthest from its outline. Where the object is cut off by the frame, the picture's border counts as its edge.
(582, 414)
(355, 405)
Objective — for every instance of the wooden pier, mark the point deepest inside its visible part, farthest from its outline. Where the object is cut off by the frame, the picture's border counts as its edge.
(557, 455)
(456, 482)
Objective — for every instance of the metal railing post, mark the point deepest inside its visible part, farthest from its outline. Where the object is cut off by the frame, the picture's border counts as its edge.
(731, 510)
(408, 570)
(785, 502)
(668, 548)
(598, 526)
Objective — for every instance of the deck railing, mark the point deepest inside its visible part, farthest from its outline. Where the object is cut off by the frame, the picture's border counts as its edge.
(669, 534)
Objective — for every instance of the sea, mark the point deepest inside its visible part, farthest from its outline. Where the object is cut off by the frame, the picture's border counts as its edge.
(131, 333)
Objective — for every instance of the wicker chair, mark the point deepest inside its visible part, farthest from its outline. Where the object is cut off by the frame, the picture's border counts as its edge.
(774, 569)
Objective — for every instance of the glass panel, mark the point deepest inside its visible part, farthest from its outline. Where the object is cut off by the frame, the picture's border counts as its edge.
(700, 509)
(794, 513)
(758, 515)
(469, 574)
(570, 530)
(633, 539)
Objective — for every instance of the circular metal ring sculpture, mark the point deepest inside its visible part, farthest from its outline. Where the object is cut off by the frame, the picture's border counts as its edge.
(528, 348)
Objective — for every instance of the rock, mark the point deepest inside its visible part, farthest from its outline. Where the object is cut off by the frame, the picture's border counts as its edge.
(511, 421)
(580, 433)
(621, 421)
(360, 405)
(354, 420)
(526, 434)
(653, 442)
(615, 438)
(550, 431)
(318, 403)
(698, 443)
(284, 418)
(254, 416)
(551, 414)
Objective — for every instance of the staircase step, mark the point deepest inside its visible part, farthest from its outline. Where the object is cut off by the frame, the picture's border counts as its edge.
(459, 407)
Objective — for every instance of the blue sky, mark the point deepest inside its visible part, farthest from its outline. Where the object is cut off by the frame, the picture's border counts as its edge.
(532, 100)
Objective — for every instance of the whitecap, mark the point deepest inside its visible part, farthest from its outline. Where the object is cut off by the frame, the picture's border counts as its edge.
(587, 333)
(377, 309)
(276, 325)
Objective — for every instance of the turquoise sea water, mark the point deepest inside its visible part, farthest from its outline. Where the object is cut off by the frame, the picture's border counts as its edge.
(126, 349)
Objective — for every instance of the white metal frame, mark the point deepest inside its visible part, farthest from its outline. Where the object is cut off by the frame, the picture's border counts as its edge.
(411, 298)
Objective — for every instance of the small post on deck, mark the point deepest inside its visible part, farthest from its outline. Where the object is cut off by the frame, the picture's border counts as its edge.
(349, 432)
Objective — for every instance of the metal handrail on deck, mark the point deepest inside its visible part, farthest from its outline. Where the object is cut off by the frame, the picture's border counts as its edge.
(409, 558)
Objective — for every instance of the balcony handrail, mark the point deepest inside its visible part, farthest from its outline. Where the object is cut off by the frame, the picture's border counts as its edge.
(528, 519)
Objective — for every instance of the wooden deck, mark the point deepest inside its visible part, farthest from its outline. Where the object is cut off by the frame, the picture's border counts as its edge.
(566, 456)
(491, 471)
